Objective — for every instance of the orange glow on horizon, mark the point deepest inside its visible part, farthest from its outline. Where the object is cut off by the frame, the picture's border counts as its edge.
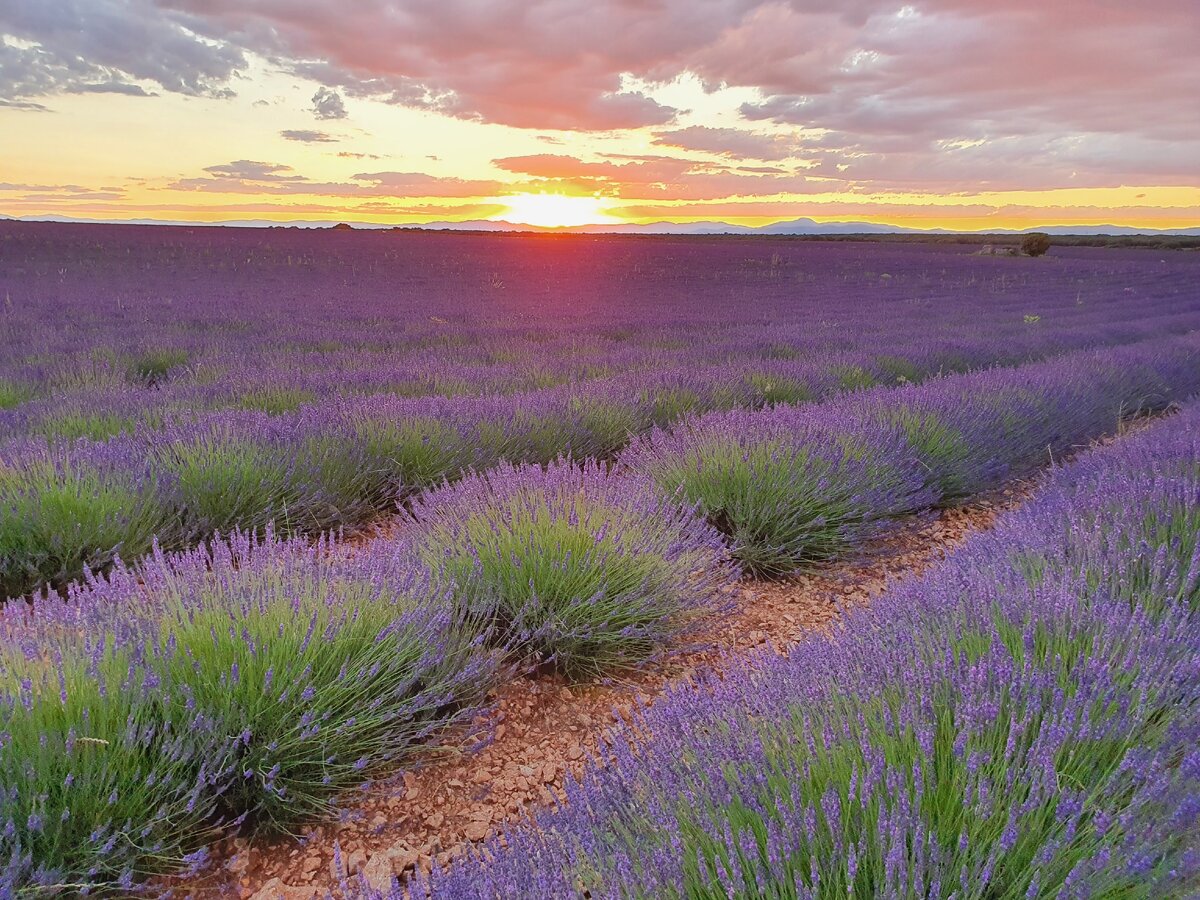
(554, 211)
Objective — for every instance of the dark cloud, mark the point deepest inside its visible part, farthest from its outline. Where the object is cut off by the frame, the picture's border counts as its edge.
(305, 136)
(327, 104)
(108, 46)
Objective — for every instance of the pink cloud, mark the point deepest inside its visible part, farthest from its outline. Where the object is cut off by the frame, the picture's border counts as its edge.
(934, 71)
(658, 177)
(737, 143)
(556, 64)
(1081, 92)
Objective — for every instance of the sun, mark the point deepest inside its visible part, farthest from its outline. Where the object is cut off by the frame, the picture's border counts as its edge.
(554, 210)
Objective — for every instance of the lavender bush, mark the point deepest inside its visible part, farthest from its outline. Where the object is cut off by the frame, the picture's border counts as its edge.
(322, 668)
(587, 570)
(992, 730)
(151, 367)
(788, 486)
(1125, 519)
(336, 465)
(243, 683)
(248, 470)
(793, 485)
(14, 393)
(407, 445)
(972, 431)
(98, 788)
(247, 682)
(64, 510)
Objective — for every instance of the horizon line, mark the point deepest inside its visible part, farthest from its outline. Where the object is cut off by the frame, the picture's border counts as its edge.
(837, 227)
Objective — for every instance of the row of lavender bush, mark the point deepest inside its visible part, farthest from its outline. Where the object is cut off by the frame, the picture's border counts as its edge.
(1021, 722)
(739, 372)
(787, 484)
(103, 330)
(247, 683)
(791, 485)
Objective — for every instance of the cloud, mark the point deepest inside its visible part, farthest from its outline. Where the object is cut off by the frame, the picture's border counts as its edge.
(1086, 92)
(308, 137)
(58, 189)
(732, 142)
(455, 210)
(1013, 93)
(250, 170)
(90, 46)
(27, 105)
(418, 184)
(19, 195)
(328, 104)
(656, 177)
(253, 177)
(558, 64)
(110, 87)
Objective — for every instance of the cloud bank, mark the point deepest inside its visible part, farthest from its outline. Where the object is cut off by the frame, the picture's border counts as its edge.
(859, 95)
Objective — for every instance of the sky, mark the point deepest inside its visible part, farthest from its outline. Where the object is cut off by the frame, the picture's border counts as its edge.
(962, 114)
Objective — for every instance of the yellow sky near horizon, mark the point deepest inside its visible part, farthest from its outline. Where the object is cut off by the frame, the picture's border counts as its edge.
(116, 157)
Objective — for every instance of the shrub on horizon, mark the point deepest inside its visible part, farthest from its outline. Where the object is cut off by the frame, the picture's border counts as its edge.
(1035, 243)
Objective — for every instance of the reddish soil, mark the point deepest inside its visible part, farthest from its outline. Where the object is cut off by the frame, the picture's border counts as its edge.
(541, 728)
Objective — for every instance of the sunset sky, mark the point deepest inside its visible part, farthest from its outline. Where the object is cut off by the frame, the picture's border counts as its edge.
(938, 113)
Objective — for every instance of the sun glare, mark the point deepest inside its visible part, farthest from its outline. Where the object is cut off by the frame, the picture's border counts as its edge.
(554, 210)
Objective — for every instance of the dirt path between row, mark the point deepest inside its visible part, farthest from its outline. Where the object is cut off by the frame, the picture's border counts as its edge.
(540, 729)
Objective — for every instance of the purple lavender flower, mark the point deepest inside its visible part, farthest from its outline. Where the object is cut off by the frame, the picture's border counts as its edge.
(588, 570)
(1004, 727)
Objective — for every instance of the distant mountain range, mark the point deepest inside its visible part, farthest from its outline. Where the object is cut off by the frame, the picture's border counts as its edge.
(793, 226)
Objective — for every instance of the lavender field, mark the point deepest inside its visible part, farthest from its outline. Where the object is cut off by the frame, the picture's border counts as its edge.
(176, 383)
(280, 509)
(1020, 723)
